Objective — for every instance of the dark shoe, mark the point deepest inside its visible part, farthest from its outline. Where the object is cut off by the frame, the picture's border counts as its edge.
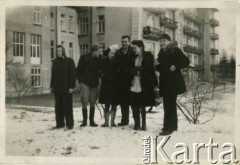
(57, 127)
(122, 124)
(144, 127)
(164, 133)
(93, 124)
(113, 125)
(136, 128)
(68, 128)
(104, 125)
(83, 124)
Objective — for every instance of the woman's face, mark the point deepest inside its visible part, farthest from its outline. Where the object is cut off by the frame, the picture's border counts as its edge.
(137, 50)
(164, 43)
(111, 54)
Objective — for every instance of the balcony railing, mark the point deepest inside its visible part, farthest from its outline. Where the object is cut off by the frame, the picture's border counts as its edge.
(193, 18)
(192, 32)
(214, 22)
(192, 49)
(156, 10)
(169, 23)
(152, 33)
(214, 51)
(214, 36)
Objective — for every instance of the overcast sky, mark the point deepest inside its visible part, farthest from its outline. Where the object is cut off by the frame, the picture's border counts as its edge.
(227, 30)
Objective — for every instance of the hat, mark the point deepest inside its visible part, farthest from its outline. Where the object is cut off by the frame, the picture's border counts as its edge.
(165, 36)
(114, 47)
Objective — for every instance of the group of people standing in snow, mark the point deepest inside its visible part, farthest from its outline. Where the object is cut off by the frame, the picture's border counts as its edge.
(124, 77)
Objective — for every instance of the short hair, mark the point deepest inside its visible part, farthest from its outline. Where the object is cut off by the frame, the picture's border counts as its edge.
(63, 49)
(139, 43)
(126, 36)
(165, 36)
(95, 47)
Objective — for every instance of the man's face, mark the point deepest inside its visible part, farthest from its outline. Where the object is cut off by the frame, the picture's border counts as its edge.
(164, 43)
(59, 52)
(125, 43)
(98, 52)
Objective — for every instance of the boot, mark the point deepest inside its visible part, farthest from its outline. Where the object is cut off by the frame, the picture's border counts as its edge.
(113, 115)
(136, 117)
(106, 117)
(84, 113)
(91, 117)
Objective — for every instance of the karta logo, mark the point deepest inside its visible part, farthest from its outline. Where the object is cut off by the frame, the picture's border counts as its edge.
(153, 149)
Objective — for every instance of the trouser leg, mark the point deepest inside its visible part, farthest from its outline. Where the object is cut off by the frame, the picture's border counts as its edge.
(68, 109)
(59, 113)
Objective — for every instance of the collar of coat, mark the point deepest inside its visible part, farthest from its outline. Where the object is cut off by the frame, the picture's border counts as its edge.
(170, 46)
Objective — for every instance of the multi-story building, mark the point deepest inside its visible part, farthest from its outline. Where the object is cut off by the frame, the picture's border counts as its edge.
(32, 34)
(35, 31)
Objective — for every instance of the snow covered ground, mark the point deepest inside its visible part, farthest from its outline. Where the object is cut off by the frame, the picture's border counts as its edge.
(29, 133)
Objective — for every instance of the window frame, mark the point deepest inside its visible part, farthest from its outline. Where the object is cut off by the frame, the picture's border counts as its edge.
(36, 77)
(37, 15)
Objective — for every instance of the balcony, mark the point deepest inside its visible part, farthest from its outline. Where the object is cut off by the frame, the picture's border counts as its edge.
(214, 51)
(215, 10)
(214, 22)
(192, 49)
(193, 18)
(198, 68)
(152, 33)
(169, 23)
(214, 36)
(194, 33)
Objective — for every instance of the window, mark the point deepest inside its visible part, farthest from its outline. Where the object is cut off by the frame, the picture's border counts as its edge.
(71, 29)
(169, 14)
(52, 21)
(63, 22)
(71, 49)
(84, 26)
(101, 24)
(18, 44)
(37, 15)
(52, 49)
(169, 32)
(36, 77)
(150, 46)
(212, 44)
(196, 59)
(35, 49)
(83, 49)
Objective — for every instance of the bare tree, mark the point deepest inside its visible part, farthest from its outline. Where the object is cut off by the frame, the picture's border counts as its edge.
(198, 101)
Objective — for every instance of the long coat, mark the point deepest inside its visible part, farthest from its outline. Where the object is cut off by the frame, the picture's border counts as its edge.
(148, 79)
(171, 82)
(108, 92)
(122, 63)
(63, 75)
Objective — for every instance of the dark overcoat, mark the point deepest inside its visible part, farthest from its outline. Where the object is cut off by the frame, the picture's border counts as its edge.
(171, 82)
(63, 74)
(122, 63)
(108, 92)
(148, 77)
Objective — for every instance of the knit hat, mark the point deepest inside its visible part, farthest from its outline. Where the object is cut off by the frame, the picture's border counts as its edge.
(165, 36)
(114, 47)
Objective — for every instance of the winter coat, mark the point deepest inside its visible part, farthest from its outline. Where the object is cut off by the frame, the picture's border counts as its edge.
(123, 81)
(171, 82)
(148, 79)
(108, 93)
(63, 74)
(89, 70)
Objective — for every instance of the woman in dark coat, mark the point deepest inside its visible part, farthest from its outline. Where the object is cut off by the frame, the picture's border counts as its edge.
(108, 88)
(171, 60)
(143, 81)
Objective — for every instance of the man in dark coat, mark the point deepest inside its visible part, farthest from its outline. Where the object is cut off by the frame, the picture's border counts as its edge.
(171, 60)
(122, 63)
(62, 84)
(88, 75)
